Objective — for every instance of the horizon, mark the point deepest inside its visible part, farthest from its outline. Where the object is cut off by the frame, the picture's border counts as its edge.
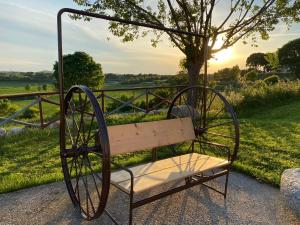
(29, 43)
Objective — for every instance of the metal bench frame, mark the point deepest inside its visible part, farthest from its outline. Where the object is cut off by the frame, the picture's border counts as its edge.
(196, 180)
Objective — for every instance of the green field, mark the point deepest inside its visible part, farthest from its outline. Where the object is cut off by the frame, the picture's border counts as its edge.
(15, 87)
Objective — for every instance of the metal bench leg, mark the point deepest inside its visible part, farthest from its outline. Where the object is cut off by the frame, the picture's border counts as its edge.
(226, 184)
(130, 209)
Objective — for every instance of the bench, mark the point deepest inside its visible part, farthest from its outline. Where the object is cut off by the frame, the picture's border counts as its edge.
(188, 167)
(192, 130)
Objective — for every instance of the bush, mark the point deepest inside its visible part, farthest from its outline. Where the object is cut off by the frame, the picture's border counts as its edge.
(271, 80)
(7, 108)
(27, 87)
(154, 101)
(45, 87)
(30, 113)
(39, 88)
(260, 84)
(255, 98)
(251, 76)
(114, 104)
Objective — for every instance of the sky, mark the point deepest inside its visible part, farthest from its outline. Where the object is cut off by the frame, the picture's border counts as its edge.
(28, 42)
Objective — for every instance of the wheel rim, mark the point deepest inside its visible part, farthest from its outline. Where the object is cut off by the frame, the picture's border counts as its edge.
(85, 156)
(215, 123)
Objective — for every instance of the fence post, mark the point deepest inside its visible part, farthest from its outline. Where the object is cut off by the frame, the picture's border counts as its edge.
(147, 101)
(102, 101)
(41, 111)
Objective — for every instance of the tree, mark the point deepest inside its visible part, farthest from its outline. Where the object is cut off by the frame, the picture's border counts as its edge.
(242, 19)
(273, 60)
(228, 74)
(80, 68)
(289, 55)
(257, 61)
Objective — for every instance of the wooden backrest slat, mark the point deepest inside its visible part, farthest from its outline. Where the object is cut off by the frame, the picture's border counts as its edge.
(140, 136)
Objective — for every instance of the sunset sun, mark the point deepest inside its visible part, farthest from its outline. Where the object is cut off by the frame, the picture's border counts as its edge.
(223, 55)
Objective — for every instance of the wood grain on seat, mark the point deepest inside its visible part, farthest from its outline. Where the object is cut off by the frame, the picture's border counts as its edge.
(140, 136)
(150, 175)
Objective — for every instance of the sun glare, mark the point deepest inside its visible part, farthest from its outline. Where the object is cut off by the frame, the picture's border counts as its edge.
(223, 55)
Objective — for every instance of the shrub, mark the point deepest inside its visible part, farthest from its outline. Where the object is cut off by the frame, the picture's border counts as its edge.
(39, 88)
(154, 101)
(45, 87)
(7, 108)
(27, 87)
(271, 80)
(251, 76)
(30, 113)
(260, 84)
(114, 104)
(255, 98)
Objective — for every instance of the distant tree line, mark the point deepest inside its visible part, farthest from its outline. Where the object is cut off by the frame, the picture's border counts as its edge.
(46, 76)
(136, 78)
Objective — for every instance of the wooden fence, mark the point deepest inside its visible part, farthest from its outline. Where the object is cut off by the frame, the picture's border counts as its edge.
(104, 96)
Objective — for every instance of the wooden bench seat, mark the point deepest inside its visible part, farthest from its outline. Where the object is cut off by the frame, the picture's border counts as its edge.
(150, 175)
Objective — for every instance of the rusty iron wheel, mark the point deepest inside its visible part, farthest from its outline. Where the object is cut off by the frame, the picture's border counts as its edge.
(85, 156)
(215, 122)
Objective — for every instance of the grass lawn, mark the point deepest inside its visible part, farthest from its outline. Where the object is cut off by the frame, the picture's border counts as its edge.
(270, 143)
(15, 87)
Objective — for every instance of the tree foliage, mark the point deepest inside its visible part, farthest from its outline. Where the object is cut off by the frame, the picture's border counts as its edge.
(273, 60)
(257, 60)
(241, 19)
(81, 69)
(228, 74)
(289, 55)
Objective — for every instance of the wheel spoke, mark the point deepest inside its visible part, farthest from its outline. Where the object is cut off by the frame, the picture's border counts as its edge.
(216, 115)
(210, 103)
(90, 128)
(82, 125)
(75, 123)
(92, 173)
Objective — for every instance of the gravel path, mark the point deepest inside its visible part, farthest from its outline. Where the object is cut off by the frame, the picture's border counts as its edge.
(248, 202)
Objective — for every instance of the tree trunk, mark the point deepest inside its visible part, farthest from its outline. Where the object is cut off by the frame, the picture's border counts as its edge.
(194, 65)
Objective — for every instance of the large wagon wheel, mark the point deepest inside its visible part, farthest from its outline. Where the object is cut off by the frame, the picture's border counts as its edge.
(215, 123)
(85, 156)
